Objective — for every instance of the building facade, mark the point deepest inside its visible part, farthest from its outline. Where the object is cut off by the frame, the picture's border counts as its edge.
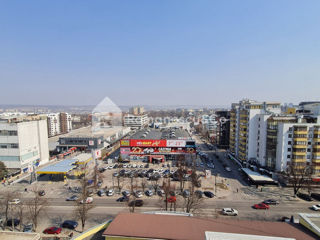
(135, 121)
(65, 122)
(24, 142)
(59, 123)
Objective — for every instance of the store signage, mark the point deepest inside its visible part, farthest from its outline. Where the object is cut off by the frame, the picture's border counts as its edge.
(147, 143)
(176, 143)
(91, 142)
(125, 143)
(125, 150)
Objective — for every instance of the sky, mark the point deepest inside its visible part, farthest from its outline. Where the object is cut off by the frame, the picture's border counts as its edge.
(159, 52)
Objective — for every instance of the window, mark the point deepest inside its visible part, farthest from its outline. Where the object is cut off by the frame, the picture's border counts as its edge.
(289, 149)
(288, 156)
(289, 142)
(290, 136)
(309, 150)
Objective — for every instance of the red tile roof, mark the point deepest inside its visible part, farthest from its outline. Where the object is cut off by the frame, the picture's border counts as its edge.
(157, 226)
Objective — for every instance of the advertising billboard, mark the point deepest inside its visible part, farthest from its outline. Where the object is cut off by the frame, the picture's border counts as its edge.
(176, 143)
(147, 143)
(125, 150)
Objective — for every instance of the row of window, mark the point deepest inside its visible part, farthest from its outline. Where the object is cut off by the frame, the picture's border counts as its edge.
(9, 145)
(8, 133)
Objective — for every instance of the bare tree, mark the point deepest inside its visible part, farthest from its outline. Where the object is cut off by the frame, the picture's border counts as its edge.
(119, 183)
(143, 184)
(7, 196)
(168, 188)
(132, 197)
(35, 206)
(20, 213)
(82, 207)
(298, 174)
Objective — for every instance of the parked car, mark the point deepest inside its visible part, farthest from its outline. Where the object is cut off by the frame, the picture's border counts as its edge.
(160, 192)
(199, 193)
(305, 197)
(87, 201)
(14, 201)
(101, 193)
(42, 193)
(52, 230)
(137, 203)
(228, 169)
(138, 194)
(271, 202)
(99, 184)
(13, 221)
(186, 193)
(69, 224)
(208, 194)
(126, 193)
(123, 199)
(149, 193)
(261, 206)
(72, 198)
(110, 192)
(316, 207)
(316, 196)
(115, 174)
(28, 227)
(229, 211)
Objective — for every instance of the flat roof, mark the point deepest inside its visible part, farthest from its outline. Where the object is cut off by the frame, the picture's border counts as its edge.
(83, 158)
(60, 167)
(257, 177)
(157, 226)
(164, 133)
(236, 236)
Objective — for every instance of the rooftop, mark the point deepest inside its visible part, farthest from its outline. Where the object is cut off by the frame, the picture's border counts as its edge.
(165, 133)
(87, 132)
(153, 226)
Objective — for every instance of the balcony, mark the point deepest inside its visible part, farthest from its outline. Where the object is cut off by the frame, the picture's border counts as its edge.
(298, 160)
(301, 139)
(316, 160)
(299, 153)
(299, 146)
(300, 132)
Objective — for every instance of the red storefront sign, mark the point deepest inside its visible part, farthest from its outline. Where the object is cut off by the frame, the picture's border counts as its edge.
(147, 143)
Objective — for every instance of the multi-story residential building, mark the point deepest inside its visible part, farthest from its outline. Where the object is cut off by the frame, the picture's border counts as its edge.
(247, 127)
(137, 110)
(223, 129)
(24, 142)
(65, 122)
(53, 124)
(59, 123)
(135, 121)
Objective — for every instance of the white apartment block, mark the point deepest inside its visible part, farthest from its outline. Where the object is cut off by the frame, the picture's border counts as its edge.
(247, 128)
(135, 121)
(24, 142)
(53, 124)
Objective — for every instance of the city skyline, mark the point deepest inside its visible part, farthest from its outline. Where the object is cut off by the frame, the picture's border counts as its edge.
(158, 53)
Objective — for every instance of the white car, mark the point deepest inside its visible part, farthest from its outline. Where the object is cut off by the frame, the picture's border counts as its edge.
(138, 194)
(228, 169)
(316, 207)
(88, 200)
(110, 192)
(229, 211)
(124, 165)
(14, 201)
(134, 165)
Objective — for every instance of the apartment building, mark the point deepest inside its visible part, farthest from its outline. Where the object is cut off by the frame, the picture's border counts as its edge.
(137, 110)
(135, 121)
(59, 123)
(24, 142)
(247, 128)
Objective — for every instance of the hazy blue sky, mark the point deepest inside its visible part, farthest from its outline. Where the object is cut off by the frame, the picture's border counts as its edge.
(159, 52)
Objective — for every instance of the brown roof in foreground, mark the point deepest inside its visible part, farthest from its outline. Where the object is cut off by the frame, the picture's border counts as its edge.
(179, 227)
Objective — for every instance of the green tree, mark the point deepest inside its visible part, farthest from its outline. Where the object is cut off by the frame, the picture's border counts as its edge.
(3, 170)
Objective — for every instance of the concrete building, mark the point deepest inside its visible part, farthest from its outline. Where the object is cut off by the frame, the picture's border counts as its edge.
(135, 121)
(247, 127)
(53, 124)
(138, 110)
(65, 122)
(24, 142)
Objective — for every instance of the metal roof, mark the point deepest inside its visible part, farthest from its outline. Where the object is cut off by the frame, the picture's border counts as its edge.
(63, 166)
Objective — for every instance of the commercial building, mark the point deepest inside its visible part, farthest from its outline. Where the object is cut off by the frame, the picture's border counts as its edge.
(155, 145)
(135, 121)
(24, 142)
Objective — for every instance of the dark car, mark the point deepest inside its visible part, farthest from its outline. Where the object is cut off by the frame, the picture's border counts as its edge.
(122, 199)
(208, 194)
(271, 202)
(69, 224)
(137, 203)
(52, 230)
(316, 196)
(199, 193)
(28, 227)
(42, 193)
(14, 221)
(304, 196)
(72, 198)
